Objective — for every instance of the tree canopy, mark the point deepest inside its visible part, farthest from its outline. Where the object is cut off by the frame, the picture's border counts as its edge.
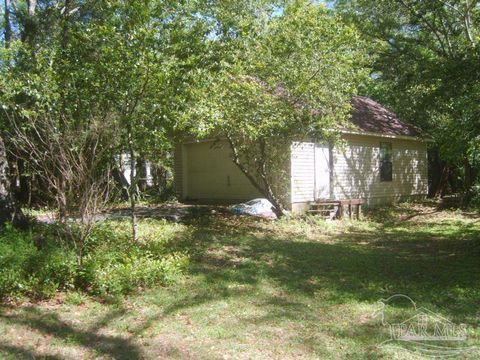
(289, 77)
(130, 77)
(427, 68)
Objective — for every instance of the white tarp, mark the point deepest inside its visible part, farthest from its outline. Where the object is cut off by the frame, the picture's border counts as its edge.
(256, 207)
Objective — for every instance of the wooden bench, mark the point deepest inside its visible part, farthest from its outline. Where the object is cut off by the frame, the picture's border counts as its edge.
(329, 209)
(337, 208)
(354, 207)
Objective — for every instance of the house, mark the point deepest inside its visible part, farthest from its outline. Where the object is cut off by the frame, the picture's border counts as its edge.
(124, 164)
(381, 160)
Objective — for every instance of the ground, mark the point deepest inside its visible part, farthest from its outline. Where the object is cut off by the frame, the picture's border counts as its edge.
(258, 289)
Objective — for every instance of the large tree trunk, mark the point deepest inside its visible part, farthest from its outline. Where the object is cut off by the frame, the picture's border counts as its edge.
(121, 181)
(435, 171)
(8, 27)
(160, 176)
(8, 209)
(443, 182)
(30, 26)
(142, 172)
(264, 187)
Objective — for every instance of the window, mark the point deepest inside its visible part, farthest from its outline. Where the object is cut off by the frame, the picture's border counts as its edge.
(385, 161)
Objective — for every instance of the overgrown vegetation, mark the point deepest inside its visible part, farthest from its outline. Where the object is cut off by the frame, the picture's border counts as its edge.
(257, 73)
(289, 289)
(148, 73)
(92, 88)
(284, 78)
(40, 262)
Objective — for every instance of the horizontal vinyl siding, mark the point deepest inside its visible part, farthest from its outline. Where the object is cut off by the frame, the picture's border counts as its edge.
(302, 171)
(357, 169)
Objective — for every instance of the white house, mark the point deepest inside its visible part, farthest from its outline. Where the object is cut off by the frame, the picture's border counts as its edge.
(382, 160)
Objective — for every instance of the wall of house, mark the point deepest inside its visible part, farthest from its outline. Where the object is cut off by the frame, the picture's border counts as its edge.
(356, 170)
(302, 175)
(204, 171)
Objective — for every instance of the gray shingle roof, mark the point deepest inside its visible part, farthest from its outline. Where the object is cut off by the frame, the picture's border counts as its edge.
(370, 116)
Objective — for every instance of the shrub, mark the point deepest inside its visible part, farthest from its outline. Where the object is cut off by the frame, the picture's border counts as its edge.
(121, 276)
(15, 250)
(53, 268)
(112, 263)
(27, 268)
(75, 298)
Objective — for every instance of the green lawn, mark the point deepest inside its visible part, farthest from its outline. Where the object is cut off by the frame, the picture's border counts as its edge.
(272, 290)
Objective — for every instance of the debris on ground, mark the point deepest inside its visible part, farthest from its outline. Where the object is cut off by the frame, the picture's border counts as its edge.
(256, 207)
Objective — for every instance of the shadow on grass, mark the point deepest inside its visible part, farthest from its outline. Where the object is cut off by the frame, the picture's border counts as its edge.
(19, 352)
(49, 323)
(436, 264)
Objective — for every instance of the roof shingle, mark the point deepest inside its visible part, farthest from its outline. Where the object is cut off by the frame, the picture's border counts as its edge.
(369, 116)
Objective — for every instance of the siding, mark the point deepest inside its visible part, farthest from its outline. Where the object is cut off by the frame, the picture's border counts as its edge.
(206, 172)
(302, 172)
(357, 169)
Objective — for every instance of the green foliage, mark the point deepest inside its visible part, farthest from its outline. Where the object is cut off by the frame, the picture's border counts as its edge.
(289, 289)
(292, 77)
(427, 69)
(124, 65)
(40, 265)
(26, 269)
(114, 274)
(75, 298)
(282, 76)
(258, 71)
(115, 265)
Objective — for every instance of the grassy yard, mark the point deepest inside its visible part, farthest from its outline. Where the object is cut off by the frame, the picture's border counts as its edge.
(272, 290)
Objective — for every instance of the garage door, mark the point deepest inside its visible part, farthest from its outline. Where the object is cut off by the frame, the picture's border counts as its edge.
(211, 174)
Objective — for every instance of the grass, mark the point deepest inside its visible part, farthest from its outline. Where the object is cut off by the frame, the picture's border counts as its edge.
(295, 288)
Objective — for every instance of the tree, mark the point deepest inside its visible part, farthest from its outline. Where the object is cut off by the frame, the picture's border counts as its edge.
(9, 212)
(427, 69)
(126, 64)
(69, 163)
(151, 50)
(288, 75)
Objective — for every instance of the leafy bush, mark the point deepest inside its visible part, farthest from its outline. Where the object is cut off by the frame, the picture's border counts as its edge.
(115, 265)
(15, 250)
(39, 263)
(38, 270)
(75, 298)
(120, 276)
